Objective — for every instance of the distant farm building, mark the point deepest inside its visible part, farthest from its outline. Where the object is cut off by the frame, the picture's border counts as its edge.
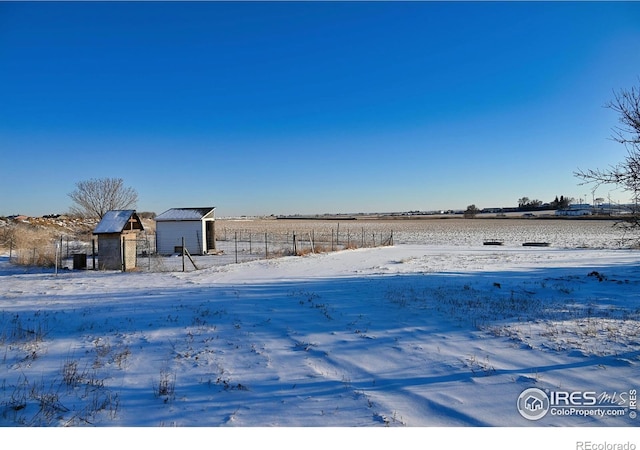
(193, 226)
(117, 235)
(580, 209)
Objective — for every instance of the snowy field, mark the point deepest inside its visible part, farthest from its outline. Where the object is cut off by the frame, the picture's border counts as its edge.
(419, 337)
(456, 232)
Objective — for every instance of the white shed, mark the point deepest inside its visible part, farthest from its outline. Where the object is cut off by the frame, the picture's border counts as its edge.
(195, 225)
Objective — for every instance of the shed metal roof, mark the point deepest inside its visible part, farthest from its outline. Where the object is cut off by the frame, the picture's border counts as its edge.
(116, 221)
(185, 214)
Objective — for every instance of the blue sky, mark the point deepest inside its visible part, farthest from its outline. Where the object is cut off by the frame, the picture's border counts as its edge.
(311, 107)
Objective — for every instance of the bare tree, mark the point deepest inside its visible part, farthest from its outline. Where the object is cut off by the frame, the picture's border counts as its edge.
(471, 212)
(626, 174)
(93, 198)
(522, 202)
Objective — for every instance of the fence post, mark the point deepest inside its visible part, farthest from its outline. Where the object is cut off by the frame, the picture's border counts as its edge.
(236, 244)
(123, 262)
(295, 250)
(266, 250)
(182, 253)
(93, 252)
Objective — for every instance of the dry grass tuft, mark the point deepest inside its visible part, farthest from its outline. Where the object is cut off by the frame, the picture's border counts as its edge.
(31, 246)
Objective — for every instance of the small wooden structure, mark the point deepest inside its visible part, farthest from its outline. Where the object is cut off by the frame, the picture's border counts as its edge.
(117, 235)
(193, 228)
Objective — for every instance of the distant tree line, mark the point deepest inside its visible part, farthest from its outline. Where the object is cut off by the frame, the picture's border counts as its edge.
(525, 204)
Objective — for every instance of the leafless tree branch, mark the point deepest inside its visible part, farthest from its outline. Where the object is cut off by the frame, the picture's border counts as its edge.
(626, 174)
(94, 197)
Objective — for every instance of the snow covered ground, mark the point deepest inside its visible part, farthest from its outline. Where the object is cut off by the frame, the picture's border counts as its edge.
(418, 337)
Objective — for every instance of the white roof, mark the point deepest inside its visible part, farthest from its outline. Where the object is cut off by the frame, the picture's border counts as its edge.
(185, 214)
(115, 221)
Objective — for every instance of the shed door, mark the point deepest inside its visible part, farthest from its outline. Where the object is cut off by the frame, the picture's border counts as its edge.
(211, 235)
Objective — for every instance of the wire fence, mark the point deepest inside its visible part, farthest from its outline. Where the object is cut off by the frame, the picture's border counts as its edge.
(246, 244)
(233, 246)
